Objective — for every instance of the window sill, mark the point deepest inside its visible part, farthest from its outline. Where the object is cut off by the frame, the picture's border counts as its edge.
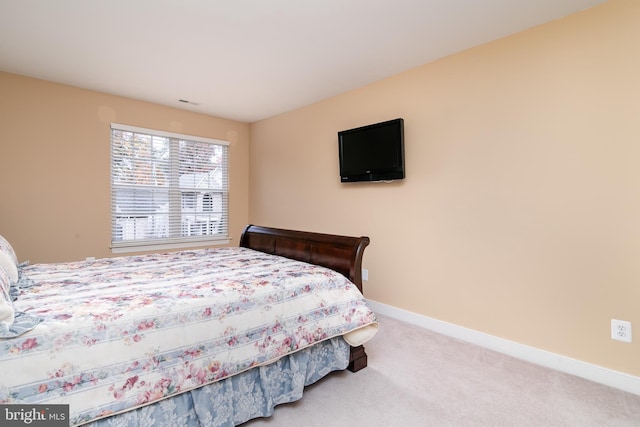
(148, 247)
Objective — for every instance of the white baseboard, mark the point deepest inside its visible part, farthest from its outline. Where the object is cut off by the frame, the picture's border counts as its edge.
(611, 378)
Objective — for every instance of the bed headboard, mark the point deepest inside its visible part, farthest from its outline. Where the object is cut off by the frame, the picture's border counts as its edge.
(340, 253)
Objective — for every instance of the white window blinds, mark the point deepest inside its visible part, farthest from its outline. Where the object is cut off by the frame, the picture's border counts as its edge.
(167, 190)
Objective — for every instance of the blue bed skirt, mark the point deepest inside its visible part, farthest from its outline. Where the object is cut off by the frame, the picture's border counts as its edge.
(248, 395)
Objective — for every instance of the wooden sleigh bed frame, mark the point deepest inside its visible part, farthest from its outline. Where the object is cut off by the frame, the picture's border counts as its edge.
(339, 253)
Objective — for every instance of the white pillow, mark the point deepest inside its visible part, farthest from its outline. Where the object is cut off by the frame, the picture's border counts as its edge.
(7, 312)
(8, 259)
(6, 247)
(9, 265)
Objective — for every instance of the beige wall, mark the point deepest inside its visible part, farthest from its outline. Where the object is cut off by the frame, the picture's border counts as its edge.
(520, 213)
(54, 164)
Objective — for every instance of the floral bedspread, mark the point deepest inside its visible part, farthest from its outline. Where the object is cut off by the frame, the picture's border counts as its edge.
(120, 333)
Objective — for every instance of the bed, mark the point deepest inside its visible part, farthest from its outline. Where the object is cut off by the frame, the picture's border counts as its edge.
(214, 336)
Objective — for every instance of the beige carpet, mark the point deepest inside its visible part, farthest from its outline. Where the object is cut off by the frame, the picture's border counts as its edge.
(419, 378)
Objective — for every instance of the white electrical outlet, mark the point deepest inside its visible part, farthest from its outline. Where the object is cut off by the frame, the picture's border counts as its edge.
(365, 274)
(621, 330)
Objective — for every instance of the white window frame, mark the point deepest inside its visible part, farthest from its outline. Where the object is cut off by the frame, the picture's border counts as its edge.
(176, 238)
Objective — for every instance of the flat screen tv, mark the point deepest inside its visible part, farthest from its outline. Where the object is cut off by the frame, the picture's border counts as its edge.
(373, 152)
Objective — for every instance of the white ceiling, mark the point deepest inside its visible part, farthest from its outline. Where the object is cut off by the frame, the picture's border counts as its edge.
(248, 59)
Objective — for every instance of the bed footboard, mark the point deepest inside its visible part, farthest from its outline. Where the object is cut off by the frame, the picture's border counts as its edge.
(340, 253)
(357, 359)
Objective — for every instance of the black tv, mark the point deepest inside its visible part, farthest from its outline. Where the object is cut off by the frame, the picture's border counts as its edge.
(373, 152)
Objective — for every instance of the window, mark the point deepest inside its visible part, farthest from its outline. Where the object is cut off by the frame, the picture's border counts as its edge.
(167, 190)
